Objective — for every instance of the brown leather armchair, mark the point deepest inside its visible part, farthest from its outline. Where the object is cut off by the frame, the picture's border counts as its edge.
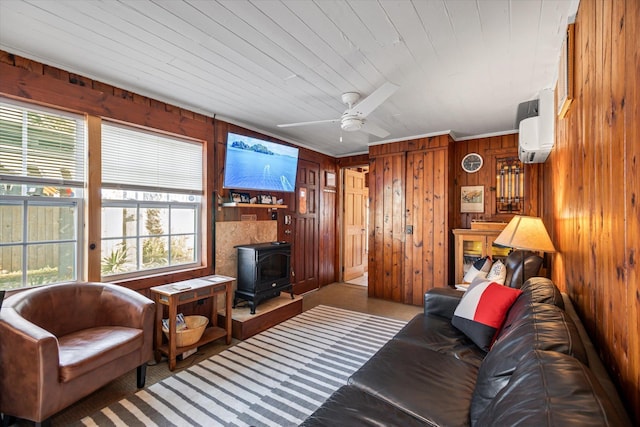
(59, 343)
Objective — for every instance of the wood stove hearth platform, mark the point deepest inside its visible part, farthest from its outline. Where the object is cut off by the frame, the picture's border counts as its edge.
(268, 313)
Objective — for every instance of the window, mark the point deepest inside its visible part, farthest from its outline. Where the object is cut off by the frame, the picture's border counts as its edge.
(42, 163)
(151, 202)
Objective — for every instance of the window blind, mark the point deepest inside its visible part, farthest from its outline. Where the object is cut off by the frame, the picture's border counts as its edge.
(40, 146)
(136, 159)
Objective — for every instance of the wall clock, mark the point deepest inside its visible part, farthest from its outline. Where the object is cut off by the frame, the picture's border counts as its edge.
(472, 162)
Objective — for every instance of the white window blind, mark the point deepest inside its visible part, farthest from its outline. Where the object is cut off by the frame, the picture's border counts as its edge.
(140, 160)
(41, 146)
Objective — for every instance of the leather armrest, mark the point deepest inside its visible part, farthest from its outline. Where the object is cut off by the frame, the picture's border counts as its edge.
(442, 301)
(29, 361)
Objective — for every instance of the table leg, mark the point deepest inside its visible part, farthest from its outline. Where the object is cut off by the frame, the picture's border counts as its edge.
(214, 310)
(173, 312)
(158, 329)
(227, 318)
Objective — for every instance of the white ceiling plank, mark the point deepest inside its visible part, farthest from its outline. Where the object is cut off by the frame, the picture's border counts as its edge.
(462, 65)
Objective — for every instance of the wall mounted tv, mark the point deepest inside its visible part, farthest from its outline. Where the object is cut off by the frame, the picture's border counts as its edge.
(255, 164)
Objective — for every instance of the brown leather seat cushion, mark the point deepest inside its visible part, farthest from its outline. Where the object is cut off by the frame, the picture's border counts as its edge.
(83, 351)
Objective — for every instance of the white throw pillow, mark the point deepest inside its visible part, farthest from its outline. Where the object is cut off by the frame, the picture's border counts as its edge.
(480, 268)
(498, 273)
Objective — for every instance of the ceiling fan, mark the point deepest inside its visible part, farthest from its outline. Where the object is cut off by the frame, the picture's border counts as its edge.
(354, 118)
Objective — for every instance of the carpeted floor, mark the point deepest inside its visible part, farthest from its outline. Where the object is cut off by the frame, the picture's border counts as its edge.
(276, 378)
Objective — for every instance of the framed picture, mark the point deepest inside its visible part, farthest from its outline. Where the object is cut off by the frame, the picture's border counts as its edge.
(472, 199)
(245, 198)
(330, 179)
(264, 199)
(565, 74)
(235, 197)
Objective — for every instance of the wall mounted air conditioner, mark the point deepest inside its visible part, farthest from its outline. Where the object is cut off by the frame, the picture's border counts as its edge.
(537, 133)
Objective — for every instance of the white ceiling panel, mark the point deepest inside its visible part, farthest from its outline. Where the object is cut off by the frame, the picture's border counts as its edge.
(461, 65)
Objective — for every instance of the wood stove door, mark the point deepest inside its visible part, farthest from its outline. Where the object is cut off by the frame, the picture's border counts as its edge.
(306, 230)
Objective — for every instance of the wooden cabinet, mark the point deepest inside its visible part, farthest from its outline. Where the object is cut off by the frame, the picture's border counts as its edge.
(471, 245)
(411, 199)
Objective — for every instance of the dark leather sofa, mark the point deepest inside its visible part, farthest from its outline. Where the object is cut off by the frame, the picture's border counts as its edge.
(541, 371)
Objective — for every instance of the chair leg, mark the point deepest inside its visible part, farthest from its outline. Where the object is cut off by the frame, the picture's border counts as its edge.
(7, 420)
(141, 375)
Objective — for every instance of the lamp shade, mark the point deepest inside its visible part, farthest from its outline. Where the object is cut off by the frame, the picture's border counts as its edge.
(526, 233)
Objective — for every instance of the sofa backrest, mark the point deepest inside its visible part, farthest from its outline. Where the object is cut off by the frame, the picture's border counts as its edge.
(544, 327)
(548, 388)
(70, 307)
(537, 290)
(521, 262)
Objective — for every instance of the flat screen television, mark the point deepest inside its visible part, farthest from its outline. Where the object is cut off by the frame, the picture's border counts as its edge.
(255, 164)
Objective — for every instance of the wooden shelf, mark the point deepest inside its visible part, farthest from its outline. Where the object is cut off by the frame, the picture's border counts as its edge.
(252, 205)
(210, 334)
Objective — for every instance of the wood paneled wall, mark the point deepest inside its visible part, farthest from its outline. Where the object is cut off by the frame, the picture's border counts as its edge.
(31, 81)
(591, 188)
(490, 149)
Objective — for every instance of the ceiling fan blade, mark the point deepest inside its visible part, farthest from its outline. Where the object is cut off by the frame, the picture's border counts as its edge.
(289, 125)
(373, 101)
(374, 129)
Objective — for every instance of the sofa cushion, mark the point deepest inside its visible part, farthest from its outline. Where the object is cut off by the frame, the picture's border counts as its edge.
(433, 387)
(482, 310)
(547, 327)
(480, 268)
(498, 273)
(84, 351)
(351, 406)
(551, 389)
(438, 334)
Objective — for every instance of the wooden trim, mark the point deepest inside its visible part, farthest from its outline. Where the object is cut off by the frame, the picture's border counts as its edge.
(93, 207)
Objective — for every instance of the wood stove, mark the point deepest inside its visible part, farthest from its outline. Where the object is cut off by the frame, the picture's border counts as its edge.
(263, 272)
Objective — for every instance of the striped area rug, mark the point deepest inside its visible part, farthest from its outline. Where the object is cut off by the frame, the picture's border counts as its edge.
(275, 378)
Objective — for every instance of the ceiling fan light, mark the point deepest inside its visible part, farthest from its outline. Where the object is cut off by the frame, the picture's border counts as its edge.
(351, 124)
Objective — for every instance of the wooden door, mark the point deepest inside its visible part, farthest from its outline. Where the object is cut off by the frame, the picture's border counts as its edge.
(427, 250)
(387, 174)
(354, 241)
(306, 232)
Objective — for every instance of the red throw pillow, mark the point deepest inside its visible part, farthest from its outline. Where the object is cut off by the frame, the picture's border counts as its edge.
(482, 311)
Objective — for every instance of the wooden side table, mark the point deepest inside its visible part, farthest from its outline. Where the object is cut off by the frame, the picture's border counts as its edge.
(174, 294)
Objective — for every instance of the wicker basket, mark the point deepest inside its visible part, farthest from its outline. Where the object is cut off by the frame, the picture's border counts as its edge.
(195, 328)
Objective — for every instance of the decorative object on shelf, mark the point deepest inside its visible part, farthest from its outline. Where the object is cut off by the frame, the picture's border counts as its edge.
(526, 233)
(472, 162)
(509, 185)
(190, 333)
(235, 197)
(565, 73)
(472, 198)
(265, 199)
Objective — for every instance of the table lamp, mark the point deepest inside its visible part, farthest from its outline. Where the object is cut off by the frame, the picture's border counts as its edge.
(526, 233)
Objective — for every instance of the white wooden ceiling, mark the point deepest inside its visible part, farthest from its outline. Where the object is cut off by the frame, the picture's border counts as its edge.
(462, 65)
